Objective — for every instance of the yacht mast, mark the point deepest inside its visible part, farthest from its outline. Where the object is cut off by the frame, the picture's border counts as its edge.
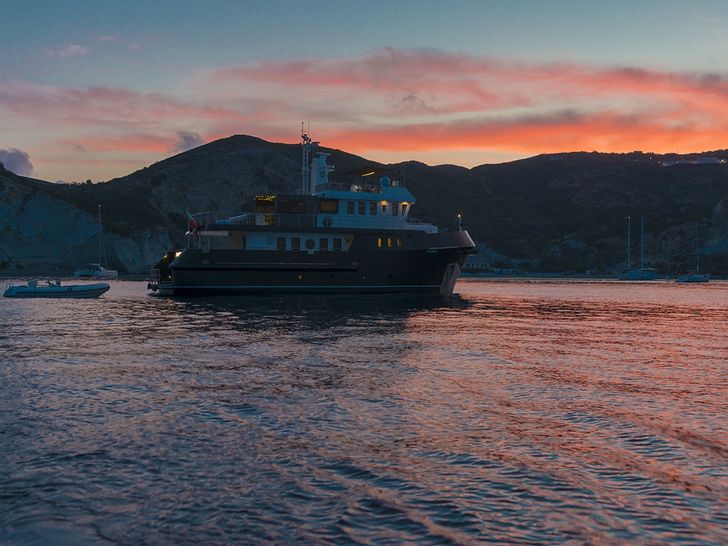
(307, 147)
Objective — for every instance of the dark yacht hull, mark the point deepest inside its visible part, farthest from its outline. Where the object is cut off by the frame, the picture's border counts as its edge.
(429, 264)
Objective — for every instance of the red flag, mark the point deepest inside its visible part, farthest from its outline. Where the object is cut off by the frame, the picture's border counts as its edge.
(192, 225)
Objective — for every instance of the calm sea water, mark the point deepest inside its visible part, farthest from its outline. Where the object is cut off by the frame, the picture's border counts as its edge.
(521, 412)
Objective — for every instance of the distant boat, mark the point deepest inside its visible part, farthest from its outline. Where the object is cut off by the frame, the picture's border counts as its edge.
(694, 276)
(54, 289)
(643, 273)
(97, 270)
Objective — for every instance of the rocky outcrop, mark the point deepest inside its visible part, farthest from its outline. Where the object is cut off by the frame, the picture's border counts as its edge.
(41, 233)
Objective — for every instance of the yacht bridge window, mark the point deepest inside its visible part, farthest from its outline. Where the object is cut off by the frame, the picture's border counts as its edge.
(330, 206)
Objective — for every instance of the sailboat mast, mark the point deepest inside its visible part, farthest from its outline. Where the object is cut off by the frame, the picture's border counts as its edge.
(102, 250)
(101, 244)
(629, 243)
(697, 250)
(642, 243)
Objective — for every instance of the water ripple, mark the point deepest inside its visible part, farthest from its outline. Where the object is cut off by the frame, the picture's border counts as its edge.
(520, 412)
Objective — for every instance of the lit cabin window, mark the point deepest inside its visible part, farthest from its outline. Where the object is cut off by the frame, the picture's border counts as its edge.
(281, 243)
(389, 242)
(291, 206)
(379, 242)
(373, 208)
(323, 243)
(295, 243)
(330, 206)
(361, 207)
(399, 242)
(404, 209)
(384, 209)
(337, 244)
(265, 203)
(350, 207)
(395, 209)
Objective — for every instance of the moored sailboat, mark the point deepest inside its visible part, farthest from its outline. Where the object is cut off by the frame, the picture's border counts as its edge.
(636, 274)
(696, 275)
(98, 270)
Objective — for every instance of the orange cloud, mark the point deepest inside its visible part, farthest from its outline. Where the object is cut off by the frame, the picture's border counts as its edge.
(565, 131)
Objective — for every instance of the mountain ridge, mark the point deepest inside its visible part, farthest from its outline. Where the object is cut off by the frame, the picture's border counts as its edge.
(556, 212)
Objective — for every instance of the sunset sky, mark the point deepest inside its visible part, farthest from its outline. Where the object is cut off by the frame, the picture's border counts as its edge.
(99, 89)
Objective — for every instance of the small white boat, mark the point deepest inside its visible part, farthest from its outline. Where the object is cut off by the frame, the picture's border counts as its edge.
(54, 289)
(96, 271)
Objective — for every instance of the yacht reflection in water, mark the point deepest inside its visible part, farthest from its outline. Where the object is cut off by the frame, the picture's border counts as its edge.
(309, 313)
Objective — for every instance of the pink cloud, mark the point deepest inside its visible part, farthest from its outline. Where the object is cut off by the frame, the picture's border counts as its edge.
(99, 105)
(70, 50)
(411, 102)
(458, 83)
(142, 143)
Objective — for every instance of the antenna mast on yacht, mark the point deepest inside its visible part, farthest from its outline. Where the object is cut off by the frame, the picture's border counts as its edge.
(307, 147)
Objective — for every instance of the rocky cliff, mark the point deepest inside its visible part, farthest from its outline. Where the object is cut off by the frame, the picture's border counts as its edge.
(563, 212)
(41, 233)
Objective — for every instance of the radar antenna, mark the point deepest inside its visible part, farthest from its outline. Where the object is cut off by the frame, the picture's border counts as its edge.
(307, 147)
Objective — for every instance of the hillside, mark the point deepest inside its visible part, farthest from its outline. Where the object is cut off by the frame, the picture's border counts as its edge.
(563, 212)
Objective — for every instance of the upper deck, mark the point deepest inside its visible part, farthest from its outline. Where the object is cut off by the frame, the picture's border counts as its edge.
(363, 199)
(385, 205)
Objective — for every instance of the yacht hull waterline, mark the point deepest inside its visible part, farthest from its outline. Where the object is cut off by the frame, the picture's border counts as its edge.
(230, 271)
(328, 239)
